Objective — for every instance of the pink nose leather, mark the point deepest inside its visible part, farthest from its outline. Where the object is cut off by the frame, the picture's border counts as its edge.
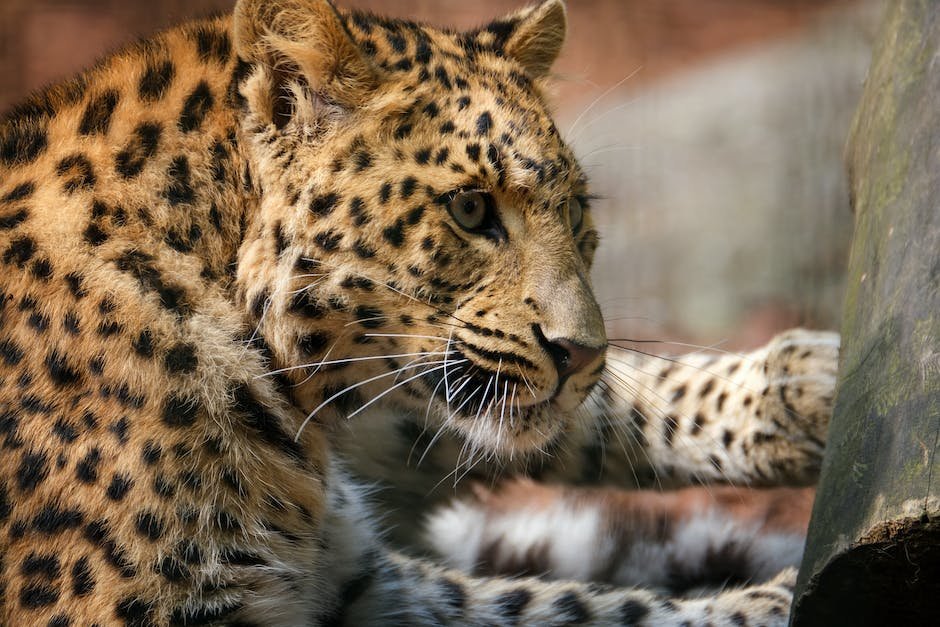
(570, 357)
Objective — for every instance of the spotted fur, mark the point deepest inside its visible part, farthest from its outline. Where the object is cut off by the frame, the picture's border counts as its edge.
(220, 243)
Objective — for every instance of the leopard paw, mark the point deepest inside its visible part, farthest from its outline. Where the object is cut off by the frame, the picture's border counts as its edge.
(801, 379)
(800, 373)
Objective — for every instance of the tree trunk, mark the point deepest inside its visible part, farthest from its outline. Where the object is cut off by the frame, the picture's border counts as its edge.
(873, 552)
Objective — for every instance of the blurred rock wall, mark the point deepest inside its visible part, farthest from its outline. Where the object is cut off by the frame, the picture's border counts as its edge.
(724, 200)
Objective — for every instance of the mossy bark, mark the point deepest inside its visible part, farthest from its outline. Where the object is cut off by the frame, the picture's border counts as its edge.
(873, 552)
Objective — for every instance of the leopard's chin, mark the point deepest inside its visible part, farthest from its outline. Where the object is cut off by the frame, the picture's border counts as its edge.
(497, 431)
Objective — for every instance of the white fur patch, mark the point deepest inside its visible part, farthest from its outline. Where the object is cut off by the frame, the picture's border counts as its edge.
(580, 544)
(574, 539)
(456, 533)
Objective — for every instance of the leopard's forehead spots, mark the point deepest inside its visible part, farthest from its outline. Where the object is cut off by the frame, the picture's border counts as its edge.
(469, 108)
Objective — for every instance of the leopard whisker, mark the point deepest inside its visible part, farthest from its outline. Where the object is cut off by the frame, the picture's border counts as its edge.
(594, 103)
(526, 381)
(427, 417)
(673, 360)
(474, 459)
(600, 116)
(638, 389)
(616, 428)
(419, 358)
(433, 395)
(468, 442)
(739, 385)
(459, 464)
(620, 425)
(264, 312)
(698, 347)
(446, 385)
(306, 287)
(482, 400)
(347, 360)
(512, 424)
(306, 275)
(440, 431)
(465, 378)
(329, 351)
(348, 389)
(398, 385)
(499, 432)
(502, 411)
(466, 400)
(370, 319)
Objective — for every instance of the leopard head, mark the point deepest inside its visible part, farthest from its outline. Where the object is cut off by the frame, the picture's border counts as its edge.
(423, 236)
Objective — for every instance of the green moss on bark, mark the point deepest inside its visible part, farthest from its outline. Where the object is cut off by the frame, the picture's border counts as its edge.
(882, 452)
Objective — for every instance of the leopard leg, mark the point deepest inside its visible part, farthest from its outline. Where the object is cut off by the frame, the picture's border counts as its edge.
(373, 585)
(758, 418)
(693, 539)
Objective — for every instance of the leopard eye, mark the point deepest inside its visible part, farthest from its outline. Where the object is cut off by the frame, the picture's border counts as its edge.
(575, 214)
(469, 209)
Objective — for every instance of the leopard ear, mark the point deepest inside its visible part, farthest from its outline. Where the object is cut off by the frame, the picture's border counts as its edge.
(304, 42)
(537, 36)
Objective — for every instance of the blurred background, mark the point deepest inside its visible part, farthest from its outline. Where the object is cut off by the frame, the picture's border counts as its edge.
(712, 131)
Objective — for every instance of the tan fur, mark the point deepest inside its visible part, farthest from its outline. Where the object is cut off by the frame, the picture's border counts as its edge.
(309, 37)
(537, 45)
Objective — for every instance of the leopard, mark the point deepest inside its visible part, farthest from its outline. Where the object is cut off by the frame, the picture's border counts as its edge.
(251, 259)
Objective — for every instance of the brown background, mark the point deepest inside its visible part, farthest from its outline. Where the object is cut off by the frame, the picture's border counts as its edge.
(43, 40)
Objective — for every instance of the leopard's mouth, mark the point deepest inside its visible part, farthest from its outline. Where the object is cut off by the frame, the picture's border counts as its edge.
(469, 390)
(465, 379)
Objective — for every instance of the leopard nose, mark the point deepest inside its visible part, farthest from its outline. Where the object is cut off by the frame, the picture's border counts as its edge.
(569, 357)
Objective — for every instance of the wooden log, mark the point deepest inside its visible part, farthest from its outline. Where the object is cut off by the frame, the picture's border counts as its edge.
(873, 551)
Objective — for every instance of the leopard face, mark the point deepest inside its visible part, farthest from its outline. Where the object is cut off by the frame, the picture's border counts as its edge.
(422, 234)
